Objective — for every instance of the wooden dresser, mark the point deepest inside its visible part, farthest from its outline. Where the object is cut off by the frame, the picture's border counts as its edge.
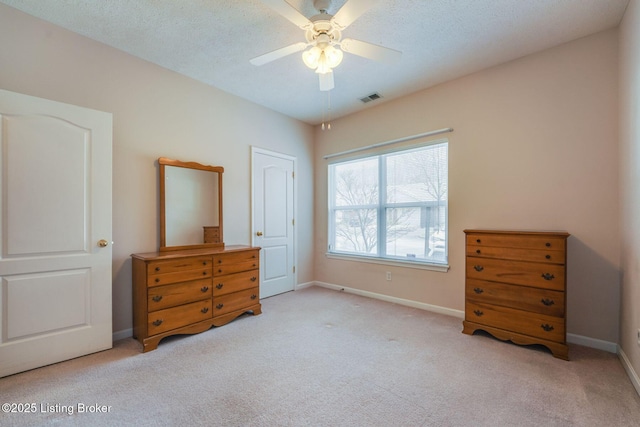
(516, 287)
(188, 291)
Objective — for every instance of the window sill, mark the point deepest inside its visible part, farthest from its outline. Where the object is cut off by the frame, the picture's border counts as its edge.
(443, 268)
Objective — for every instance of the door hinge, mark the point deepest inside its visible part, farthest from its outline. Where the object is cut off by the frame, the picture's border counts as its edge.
(293, 222)
(293, 175)
(294, 268)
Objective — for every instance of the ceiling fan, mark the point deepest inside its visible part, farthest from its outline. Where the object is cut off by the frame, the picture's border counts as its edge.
(323, 34)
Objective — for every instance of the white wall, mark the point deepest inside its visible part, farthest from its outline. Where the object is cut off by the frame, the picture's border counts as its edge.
(156, 113)
(630, 183)
(534, 147)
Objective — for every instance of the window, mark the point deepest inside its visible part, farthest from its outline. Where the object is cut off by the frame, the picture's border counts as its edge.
(391, 206)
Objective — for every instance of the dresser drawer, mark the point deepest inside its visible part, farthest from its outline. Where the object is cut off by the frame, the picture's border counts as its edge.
(509, 319)
(524, 241)
(160, 297)
(236, 282)
(536, 300)
(181, 264)
(535, 255)
(179, 276)
(548, 276)
(236, 257)
(235, 301)
(176, 317)
(222, 269)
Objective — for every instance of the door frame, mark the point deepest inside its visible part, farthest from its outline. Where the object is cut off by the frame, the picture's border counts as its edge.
(257, 150)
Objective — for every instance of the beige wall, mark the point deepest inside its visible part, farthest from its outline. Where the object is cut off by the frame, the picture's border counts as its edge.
(534, 147)
(630, 183)
(155, 113)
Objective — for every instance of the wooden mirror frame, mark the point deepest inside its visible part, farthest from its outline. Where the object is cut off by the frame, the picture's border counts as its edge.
(162, 162)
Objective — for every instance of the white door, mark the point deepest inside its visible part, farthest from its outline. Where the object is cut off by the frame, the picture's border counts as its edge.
(55, 232)
(273, 221)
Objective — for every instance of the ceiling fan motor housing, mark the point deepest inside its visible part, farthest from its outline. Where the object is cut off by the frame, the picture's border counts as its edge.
(323, 31)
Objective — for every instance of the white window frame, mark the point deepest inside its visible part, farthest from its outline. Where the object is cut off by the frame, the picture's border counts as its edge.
(381, 207)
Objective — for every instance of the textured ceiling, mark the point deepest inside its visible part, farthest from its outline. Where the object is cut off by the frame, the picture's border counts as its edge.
(213, 40)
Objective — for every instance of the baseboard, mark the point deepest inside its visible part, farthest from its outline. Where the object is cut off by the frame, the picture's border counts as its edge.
(608, 346)
(304, 285)
(401, 301)
(571, 338)
(120, 335)
(633, 375)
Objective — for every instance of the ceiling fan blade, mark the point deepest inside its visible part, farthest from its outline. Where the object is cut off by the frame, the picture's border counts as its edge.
(370, 51)
(326, 81)
(277, 54)
(351, 11)
(289, 12)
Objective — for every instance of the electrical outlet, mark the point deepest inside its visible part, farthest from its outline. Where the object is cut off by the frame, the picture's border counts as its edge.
(388, 275)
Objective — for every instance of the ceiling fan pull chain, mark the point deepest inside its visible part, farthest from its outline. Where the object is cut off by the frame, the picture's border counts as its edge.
(329, 109)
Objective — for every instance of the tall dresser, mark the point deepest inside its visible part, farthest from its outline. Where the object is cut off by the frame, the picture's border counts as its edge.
(188, 291)
(516, 287)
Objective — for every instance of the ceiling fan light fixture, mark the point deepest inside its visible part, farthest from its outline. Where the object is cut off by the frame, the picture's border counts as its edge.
(333, 56)
(311, 57)
(322, 60)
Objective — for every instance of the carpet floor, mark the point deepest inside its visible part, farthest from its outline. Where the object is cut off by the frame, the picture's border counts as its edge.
(318, 357)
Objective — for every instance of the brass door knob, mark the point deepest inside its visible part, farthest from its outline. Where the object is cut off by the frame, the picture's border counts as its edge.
(259, 233)
(102, 243)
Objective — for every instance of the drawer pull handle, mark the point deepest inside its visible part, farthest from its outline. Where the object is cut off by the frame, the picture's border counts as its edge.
(547, 256)
(547, 327)
(219, 261)
(478, 267)
(157, 268)
(254, 278)
(219, 286)
(253, 256)
(548, 244)
(204, 273)
(478, 251)
(478, 313)
(254, 296)
(157, 280)
(478, 290)
(478, 240)
(548, 276)
(548, 302)
(254, 265)
(157, 322)
(219, 270)
(204, 289)
(157, 298)
(219, 306)
(204, 310)
(204, 262)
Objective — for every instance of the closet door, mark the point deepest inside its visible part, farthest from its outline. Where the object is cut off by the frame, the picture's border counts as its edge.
(273, 222)
(55, 232)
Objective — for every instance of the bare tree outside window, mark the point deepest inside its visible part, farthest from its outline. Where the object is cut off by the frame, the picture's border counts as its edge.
(356, 187)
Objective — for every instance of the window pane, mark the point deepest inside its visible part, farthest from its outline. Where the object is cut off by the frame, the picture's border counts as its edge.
(418, 175)
(356, 230)
(356, 183)
(405, 236)
(391, 205)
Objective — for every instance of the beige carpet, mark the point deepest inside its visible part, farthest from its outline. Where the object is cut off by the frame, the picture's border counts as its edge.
(318, 357)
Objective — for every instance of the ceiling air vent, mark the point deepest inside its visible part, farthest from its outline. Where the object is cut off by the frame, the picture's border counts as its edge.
(371, 97)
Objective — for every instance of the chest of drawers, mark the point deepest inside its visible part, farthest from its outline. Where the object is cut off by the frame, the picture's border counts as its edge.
(187, 292)
(515, 287)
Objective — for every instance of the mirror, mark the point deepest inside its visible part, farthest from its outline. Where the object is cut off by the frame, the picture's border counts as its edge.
(190, 205)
